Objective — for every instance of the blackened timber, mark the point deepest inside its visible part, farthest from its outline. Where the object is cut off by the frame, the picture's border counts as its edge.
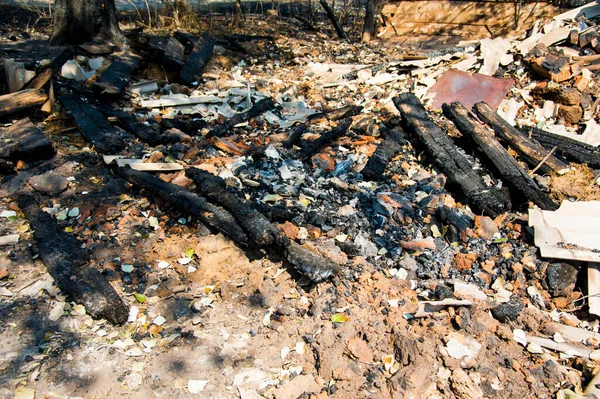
(94, 126)
(68, 265)
(256, 225)
(196, 63)
(532, 152)
(21, 100)
(23, 140)
(45, 73)
(111, 83)
(187, 201)
(337, 114)
(572, 149)
(295, 135)
(260, 107)
(310, 148)
(333, 19)
(499, 158)
(275, 213)
(455, 165)
(189, 126)
(386, 150)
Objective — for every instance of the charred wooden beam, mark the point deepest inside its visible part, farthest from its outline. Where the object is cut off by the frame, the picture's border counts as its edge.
(94, 126)
(386, 150)
(310, 148)
(295, 135)
(337, 114)
(498, 157)
(67, 263)
(23, 140)
(333, 19)
(275, 213)
(455, 165)
(260, 107)
(194, 67)
(189, 126)
(532, 152)
(21, 100)
(168, 51)
(111, 84)
(187, 201)
(258, 227)
(570, 148)
(45, 73)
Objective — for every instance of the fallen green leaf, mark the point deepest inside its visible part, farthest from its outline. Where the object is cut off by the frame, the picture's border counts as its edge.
(141, 298)
(68, 229)
(500, 240)
(340, 318)
(189, 253)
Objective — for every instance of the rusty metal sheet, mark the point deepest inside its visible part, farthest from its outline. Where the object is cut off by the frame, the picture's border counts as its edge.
(469, 89)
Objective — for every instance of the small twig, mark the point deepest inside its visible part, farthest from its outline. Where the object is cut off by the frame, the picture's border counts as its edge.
(539, 165)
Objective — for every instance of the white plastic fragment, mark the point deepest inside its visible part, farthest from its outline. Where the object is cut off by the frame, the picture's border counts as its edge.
(159, 320)
(196, 386)
(520, 336)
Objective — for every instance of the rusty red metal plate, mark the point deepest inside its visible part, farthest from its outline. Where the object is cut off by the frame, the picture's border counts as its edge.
(468, 89)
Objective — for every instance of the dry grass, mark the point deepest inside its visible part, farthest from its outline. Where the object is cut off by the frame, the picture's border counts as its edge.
(578, 183)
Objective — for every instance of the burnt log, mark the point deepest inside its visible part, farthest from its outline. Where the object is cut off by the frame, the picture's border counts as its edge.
(67, 263)
(311, 264)
(441, 149)
(337, 114)
(111, 83)
(21, 100)
(506, 165)
(168, 51)
(94, 126)
(196, 63)
(570, 148)
(256, 225)
(312, 147)
(275, 213)
(189, 126)
(260, 107)
(24, 141)
(295, 135)
(532, 152)
(386, 150)
(187, 201)
(45, 73)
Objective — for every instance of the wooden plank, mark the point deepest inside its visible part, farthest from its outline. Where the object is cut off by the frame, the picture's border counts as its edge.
(498, 157)
(46, 73)
(196, 63)
(570, 148)
(21, 100)
(490, 200)
(111, 84)
(23, 140)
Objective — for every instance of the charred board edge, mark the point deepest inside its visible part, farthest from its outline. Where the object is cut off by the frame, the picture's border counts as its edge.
(570, 148)
(312, 147)
(386, 150)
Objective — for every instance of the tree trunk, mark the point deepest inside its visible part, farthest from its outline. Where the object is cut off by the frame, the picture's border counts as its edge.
(369, 25)
(80, 21)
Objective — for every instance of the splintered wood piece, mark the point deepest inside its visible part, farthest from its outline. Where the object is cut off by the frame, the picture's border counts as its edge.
(260, 107)
(295, 135)
(21, 100)
(183, 199)
(94, 126)
(499, 158)
(23, 140)
(312, 147)
(45, 73)
(67, 263)
(441, 149)
(531, 152)
(111, 84)
(199, 57)
(570, 148)
(386, 150)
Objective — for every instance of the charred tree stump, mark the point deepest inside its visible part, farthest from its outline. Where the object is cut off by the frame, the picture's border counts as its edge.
(67, 263)
(21, 100)
(333, 19)
(194, 67)
(260, 229)
(189, 202)
(369, 28)
(531, 152)
(455, 165)
(44, 74)
(111, 84)
(94, 126)
(499, 158)
(295, 135)
(310, 148)
(22, 140)
(260, 107)
(570, 148)
(386, 150)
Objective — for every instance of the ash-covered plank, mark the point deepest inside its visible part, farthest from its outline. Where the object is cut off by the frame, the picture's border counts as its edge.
(23, 140)
(196, 63)
(94, 126)
(312, 147)
(187, 201)
(532, 152)
(386, 150)
(497, 156)
(67, 263)
(446, 156)
(111, 83)
(21, 100)
(572, 149)
(260, 107)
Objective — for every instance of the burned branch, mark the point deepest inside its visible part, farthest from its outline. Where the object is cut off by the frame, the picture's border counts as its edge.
(260, 107)
(386, 150)
(310, 148)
